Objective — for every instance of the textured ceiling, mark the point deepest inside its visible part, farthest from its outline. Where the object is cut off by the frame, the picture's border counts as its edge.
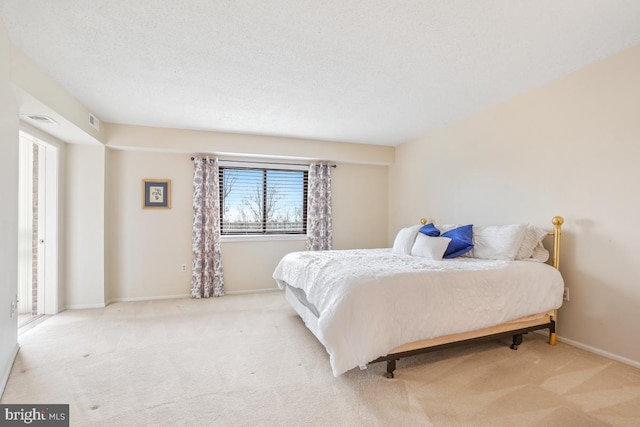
(379, 72)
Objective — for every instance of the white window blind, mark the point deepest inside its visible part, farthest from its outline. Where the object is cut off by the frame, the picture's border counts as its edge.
(258, 200)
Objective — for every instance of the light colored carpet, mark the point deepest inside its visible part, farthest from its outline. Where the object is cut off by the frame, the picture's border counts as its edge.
(248, 360)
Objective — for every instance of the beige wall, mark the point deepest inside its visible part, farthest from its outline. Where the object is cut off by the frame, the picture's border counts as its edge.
(85, 226)
(359, 194)
(568, 148)
(8, 211)
(145, 247)
(232, 144)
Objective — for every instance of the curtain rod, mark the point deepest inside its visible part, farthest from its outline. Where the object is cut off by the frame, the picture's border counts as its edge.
(269, 163)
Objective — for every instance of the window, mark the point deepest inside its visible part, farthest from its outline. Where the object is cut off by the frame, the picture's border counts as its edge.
(263, 201)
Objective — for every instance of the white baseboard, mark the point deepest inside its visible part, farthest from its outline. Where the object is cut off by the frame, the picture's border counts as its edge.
(151, 298)
(84, 306)
(252, 291)
(593, 350)
(7, 372)
(600, 352)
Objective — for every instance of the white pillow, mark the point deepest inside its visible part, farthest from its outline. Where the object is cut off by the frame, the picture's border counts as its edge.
(447, 227)
(498, 241)
(532, 238)
(404, 240)
(430, 247)
(540, 254)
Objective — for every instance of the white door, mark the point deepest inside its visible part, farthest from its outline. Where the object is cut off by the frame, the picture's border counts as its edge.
(25, 230)
(38, 224)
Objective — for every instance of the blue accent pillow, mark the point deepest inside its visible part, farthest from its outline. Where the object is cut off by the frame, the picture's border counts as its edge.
(461, 241)
(430, 230)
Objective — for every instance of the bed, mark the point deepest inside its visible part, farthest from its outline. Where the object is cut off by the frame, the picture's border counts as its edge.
(380, 305)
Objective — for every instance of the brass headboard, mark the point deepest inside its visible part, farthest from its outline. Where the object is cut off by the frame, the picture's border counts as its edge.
(557, 237)
(557, 222)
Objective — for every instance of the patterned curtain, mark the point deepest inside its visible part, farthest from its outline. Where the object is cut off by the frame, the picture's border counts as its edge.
(206, 276)
(319, 207)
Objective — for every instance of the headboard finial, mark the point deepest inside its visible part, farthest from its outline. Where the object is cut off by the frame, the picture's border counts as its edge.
(423, 221)
(557, 236)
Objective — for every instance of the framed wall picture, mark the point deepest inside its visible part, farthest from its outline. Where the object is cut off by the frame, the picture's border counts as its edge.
(156, 193)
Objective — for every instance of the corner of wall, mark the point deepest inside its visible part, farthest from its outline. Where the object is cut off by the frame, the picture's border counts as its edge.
(8, 211)
(7, 370)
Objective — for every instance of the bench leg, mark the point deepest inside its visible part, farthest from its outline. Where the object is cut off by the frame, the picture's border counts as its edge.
(517, 340)
(391, 366)
(553, 338)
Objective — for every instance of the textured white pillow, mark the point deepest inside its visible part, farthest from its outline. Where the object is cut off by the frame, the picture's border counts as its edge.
(430, 247)
(498, 241)
(540, 254)
(532, 238)
(404, 240)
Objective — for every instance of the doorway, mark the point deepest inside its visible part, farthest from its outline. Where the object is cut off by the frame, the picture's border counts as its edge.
(38, 229)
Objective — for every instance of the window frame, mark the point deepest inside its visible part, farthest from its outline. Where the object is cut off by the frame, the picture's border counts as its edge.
(263, 233)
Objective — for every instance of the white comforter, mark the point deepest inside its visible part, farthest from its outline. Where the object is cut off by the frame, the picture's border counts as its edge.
(371, 301)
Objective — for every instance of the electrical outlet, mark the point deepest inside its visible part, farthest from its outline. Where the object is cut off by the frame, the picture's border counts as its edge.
(183, 268)
(565, 295)
(12, 312)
